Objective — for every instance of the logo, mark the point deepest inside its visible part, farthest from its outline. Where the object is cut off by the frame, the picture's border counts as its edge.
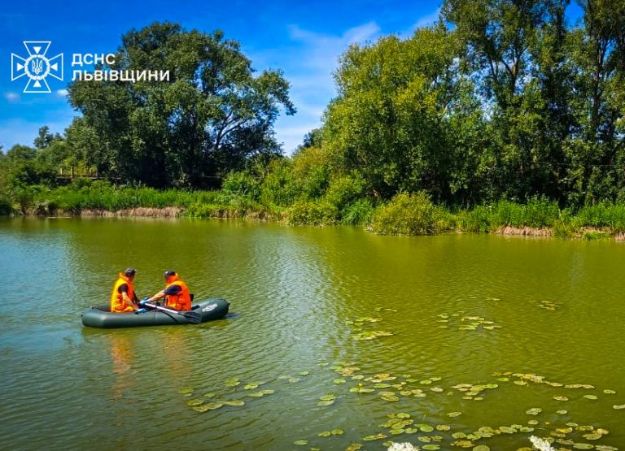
(209, 308)
(37, 66)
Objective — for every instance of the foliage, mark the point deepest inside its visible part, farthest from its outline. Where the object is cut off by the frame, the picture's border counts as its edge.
(410, 214)
(208, 119)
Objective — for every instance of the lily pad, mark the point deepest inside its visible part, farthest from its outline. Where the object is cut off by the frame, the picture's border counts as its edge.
(562, 412)
(609, 392)
(195, 402)
(325, 403)
(208, 406)
(592, 436)
(454, 414)
(481, 448)
(304, 373)
(250, 386)
(300, 442)
(232, 382)
(328, 397)
(370, 438)
(185, 390)
(560, 398)
(591, 397)
(619, 407)
(534, 411)
(431, 447)
(339, 381)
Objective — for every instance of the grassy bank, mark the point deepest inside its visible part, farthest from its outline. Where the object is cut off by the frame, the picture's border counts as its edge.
(405, 214)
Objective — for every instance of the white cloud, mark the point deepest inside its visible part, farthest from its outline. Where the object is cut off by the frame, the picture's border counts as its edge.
(12, 96)
(62, 92)
(308, 64)
(423, 21)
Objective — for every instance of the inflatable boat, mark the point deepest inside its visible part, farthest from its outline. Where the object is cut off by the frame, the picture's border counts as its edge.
(100, 316)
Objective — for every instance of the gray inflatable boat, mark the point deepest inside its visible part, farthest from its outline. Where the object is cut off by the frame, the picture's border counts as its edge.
(100, 316)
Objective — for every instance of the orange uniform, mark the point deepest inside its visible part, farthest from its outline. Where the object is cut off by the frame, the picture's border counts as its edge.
(177, 294)
(117, 300)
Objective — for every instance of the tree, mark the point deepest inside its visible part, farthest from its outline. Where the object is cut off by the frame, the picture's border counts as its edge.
(210, 118)
(395, 119)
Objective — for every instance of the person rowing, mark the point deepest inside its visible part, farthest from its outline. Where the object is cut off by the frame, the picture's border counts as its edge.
(176, 293)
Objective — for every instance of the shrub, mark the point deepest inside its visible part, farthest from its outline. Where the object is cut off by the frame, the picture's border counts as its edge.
(358, 213)
(243, 184)
(345, 190)
(408, 214)
(311, 213)
(477, 220)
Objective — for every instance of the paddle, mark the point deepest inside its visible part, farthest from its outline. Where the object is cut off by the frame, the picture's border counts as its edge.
(193, 317)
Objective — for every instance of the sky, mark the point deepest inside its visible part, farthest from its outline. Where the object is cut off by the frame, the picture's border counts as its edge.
(303, 39)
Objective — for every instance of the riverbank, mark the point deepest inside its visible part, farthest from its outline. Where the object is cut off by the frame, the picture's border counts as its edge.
(405, 214)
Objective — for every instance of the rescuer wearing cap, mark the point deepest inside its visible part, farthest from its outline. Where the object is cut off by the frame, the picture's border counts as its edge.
(176, 293)
(123, 297)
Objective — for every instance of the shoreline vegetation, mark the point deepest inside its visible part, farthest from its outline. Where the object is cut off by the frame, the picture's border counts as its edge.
(404, 214)
(501, 117)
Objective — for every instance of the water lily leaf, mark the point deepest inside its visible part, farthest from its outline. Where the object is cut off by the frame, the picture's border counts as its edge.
(293, 380)
(562, 412)
(506, 429)
(185, 390)
(463, 443)
(209, 406)
(389, 396)
(325, 403)
(533, 422)
(250, 386)
(592, 436)
(195, 402)
(443, 427)
(257, 394)
(354, 447)
(300, 442)
(232, 382)
(583, 446)
(402, 415)
(267, 391)
(609, 392)
(560, 398)
(360, 389)
(619, 407)
(437, 389)
(325, 434)
(337, 431)
(304, 373)
(426, 428)
(431, 447)
(339, 381)
(591, 397)
(328, 397)
(481, 448)
(370, 438)
(234, 403)
(534, 411)
(454, 414)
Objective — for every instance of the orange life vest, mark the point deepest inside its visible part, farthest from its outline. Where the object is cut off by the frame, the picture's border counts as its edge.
(180, 301)
(117, 299)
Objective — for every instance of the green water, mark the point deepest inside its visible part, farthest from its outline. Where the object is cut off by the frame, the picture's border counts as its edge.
(299, 296)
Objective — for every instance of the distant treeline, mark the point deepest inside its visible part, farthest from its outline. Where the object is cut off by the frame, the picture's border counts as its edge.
(502, 100)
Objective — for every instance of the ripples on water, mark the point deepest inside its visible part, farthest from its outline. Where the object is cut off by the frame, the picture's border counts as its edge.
(295, 293)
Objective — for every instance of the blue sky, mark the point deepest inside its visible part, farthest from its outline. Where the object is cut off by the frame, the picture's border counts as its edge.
(303, 39)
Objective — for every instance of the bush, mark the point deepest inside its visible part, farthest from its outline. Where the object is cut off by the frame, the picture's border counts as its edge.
(408, 214)
(242, 184)
(278, 187)
(345, 190)
(477, 220)
(357, 213)
(536, 213)
(312, 213)
(603, 214)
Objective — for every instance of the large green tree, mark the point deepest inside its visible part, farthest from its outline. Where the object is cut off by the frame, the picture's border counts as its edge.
(210, 117)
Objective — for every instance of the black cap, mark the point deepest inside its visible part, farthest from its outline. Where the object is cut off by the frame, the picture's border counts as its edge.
(130, 272)
(169, 272)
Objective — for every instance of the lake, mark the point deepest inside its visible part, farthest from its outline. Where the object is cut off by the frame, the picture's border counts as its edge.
(336, 337)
